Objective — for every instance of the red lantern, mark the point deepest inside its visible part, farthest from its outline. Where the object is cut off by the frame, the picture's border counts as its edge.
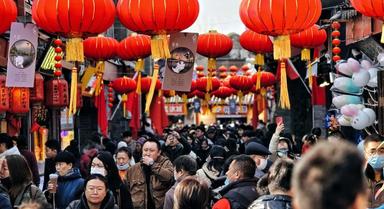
(223, 92)
(100, 48)
(197, 93)
(201, 84)
(199, 68)
(124, 85)
(200, 74)
(4, 94)
(146, 84)
(213, 45)
(37, 92)
(266, 79)
(158, 18)
(256, 43)
(310, 38)
(222, 69)
(223, 75)
(56, 93)
(280, 18)
(135, 47)
(74, 19)
(19, 100)
(8, 11)
(245, 68)
(241, 83)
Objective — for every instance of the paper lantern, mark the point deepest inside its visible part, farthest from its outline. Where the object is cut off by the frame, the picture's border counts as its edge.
(223, 92)
(310, 38)
(202, 83)
(100, 48)
(256, 43)
(158, 18)
(4, 94)
(222, 69)
(37, 92)
(280, 18)
(266, 78)
(8, 11)
(199, 68)
(213, 45)
(146, 84)
(124, 85)
(241, 83)
(56, 93)
(19, 100)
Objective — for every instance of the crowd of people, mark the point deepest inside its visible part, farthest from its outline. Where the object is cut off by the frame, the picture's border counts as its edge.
(197, 167)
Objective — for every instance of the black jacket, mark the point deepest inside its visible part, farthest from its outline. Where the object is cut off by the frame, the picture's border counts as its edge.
(241, 193)
(272, 202)
(49, 168)
(108, 203)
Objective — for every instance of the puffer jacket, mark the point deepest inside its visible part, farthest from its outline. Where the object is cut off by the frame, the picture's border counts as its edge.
(108, 203)
(161, 181)
(28, 193)
(69, 188)
(272, 202)
(208, 175)
(376, 189)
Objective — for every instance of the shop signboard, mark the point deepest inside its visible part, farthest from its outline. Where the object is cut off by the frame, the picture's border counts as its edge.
(174, 109)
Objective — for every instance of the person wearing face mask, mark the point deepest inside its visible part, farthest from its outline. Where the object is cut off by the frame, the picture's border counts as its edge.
(259, 153)
(374, 156)
(103, 164)
(240, 190)
(184, 166)
(124, 160)
(283, 149)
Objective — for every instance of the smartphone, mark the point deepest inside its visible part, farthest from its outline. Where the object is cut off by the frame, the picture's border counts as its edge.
(279, 120)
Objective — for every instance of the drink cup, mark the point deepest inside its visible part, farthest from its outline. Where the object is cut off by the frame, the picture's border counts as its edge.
(53, 180)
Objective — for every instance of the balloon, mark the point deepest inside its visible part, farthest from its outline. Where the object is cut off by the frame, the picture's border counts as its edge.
(371, 114)
(360, 121)
(344, 121)
(346, 85)
(366, 64)
(361, 78)
(353, 64)
(380, 58)
(373, 75)
(344, 69)
(349, 110)
(340, 101)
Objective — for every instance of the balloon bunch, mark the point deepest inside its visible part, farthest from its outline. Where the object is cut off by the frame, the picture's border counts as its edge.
(353, 78)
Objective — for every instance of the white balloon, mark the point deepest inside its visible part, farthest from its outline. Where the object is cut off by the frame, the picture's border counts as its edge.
(373, 74)
(361, 78)
(342, 100)
(345, 84)
(360, 121)
(345, 69)
(371, 114)
(353, 64)
(344, 121)
(366, 64)
(380, 58)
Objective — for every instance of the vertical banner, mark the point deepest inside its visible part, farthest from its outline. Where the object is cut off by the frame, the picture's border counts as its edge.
(22, 55)
(232, 106)
(196, 105)
(179, 68)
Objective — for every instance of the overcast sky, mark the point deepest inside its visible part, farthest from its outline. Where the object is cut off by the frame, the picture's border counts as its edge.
(220, 15)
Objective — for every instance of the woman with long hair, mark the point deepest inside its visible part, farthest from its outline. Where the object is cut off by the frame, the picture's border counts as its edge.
(16, 176)
(104, 164)
(191, 193)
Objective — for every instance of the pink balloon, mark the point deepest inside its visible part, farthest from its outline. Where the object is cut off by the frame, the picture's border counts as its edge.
(354, 65)
(345, 69)
(349, 110)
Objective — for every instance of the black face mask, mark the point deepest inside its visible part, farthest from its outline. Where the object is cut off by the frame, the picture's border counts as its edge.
(6, 182)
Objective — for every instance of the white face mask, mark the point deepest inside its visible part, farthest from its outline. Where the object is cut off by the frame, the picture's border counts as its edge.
(100, 171)
(123, 167)
(263, 164)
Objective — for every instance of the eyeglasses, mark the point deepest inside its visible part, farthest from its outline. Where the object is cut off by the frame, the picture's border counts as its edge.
(95, 189)
(377, 151)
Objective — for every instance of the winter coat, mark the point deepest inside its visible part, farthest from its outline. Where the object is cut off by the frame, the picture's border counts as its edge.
(108, 203)
(5, 201)
(70, 187)
(374, 188)
(238, 195)
(161, 180)
(208, 175)
(28, 193)
(272, 202)
(49, 168)
(181, 149)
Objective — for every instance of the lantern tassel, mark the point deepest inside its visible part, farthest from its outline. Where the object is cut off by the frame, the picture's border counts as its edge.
(258, 80)
(282, 47)
(305, 54)
(240, 95)
(74, 50)
(159, 47)
(382, 35)
(207, 97)
(259, 59)
(100, 67)
(284, 96)
(152, 88)
(209, 82)
(310, 77)
(73, 97)
(185, 103)
(124, 99)
(211, 63)
(139, 68)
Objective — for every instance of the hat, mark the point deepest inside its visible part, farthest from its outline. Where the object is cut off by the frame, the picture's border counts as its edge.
(121, 144)
(254, 148)
(65, 157)
(141, 140)
(217, 151)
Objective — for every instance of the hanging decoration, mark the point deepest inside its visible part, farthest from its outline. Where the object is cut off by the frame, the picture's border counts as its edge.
(136, 47)
(4, 94)
(256, 43)
(233, 69)
(336, 41)
(242, 84)
(264, 78)
(58, 57)
(8, 11)
(158, 19)
(124, 86)
(98, 48)
(19, 100)
(203, 83)
(37, 92)
(57, 95)
(213, 45)
(110, 95)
